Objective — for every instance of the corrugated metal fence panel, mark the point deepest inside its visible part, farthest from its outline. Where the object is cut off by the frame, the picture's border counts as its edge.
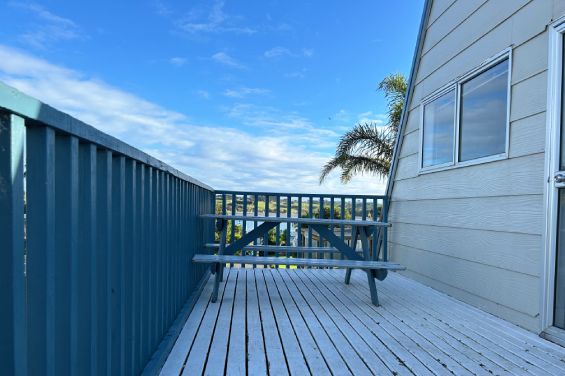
(97, 240)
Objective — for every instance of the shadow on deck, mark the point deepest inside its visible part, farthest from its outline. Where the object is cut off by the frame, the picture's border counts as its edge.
(307, 321)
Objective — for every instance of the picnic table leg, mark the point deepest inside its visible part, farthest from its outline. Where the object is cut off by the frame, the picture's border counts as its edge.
(370, 275)
(354, 232)
(217, 279)
(223, 224)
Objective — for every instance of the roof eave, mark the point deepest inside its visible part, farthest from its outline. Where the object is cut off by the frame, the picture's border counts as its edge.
(411, 79)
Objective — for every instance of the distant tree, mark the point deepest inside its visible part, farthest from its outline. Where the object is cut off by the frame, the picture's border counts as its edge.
(237, 234)
(368, 148)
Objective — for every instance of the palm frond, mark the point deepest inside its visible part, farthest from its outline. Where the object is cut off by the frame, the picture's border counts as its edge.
(368, 147)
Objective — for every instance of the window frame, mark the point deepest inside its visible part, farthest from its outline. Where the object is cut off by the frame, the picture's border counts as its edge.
(456, 85)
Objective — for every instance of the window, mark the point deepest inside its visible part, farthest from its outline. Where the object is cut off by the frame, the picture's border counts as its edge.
(479, 130)
(439, 116)
(483, 114)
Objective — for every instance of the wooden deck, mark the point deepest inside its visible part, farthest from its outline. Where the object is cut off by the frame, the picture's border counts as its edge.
(307, 321)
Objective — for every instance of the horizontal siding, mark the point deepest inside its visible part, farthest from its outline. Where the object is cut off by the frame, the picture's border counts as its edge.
(513, 290)
(482, 21)
(530, 58)
(467, 57)
(475, 232)
(449, 20)
(529, 97)
(527, 136)
(440, 7)
(520, 214)
(411, 143)
(514, 252)
(492, 179)
(558, 9)
(407, 168)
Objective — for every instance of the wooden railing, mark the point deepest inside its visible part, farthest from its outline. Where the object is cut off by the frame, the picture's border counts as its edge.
(301, 205)
(96, 242)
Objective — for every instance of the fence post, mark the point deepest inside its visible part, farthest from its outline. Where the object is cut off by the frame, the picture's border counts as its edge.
(13, 349)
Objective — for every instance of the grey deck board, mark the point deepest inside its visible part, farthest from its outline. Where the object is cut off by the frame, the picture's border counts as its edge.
(361, 347)
(307, 321)
(295, 359)
(215, 364)
(468, 326)
(495, 347)
(197, 357)
(177, 356)
(316, 362)
(276, 360)
(256, 357)
(237, 345)
(435, 360)
(347, 350)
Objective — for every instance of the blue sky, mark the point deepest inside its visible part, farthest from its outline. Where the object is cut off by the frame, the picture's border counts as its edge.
(238, 94)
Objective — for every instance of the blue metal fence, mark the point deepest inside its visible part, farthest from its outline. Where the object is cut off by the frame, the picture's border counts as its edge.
(303, 205)
(96, 242)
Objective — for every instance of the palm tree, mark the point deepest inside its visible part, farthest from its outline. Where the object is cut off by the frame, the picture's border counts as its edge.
(368, 147)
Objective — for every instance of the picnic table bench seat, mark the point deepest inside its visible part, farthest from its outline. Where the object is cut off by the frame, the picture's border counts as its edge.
(351, 259)
(287, 261)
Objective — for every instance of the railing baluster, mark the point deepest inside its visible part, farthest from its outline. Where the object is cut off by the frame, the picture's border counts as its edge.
(321, 240)
(266, 237)
(332, 216)
(255, 213)
(342, 226)
(278, 228)
(299, 226)
(233, 211)
(244, 224)
(385, 230)
(288, 225)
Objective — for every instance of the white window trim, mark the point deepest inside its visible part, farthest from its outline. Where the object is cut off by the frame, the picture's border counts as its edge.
(456, 86)
(552, 161)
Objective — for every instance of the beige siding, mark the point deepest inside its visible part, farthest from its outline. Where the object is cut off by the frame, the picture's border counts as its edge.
(476, 232)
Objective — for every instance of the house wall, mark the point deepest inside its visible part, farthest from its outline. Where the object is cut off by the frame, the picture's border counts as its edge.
(476, 232)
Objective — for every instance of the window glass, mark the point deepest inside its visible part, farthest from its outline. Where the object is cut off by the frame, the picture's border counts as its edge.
(483, 119)
(439, 118)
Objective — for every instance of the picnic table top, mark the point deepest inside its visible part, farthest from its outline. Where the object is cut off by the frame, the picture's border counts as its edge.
(309, 221)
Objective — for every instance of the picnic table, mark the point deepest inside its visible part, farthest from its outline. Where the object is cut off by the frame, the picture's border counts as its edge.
(352, 259)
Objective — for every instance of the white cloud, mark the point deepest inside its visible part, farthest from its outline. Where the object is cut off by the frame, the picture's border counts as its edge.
(225, 59)
(214, 21)
(277, 52)
(48, 27)
(203, 94)
(370, 117)
(286, 156)
(341, 116)
(308, 52)
(245, 91)
(297, 74)
(178, 61)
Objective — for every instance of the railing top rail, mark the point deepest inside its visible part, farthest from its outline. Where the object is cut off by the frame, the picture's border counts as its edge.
(284, 194)
(14, 101)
